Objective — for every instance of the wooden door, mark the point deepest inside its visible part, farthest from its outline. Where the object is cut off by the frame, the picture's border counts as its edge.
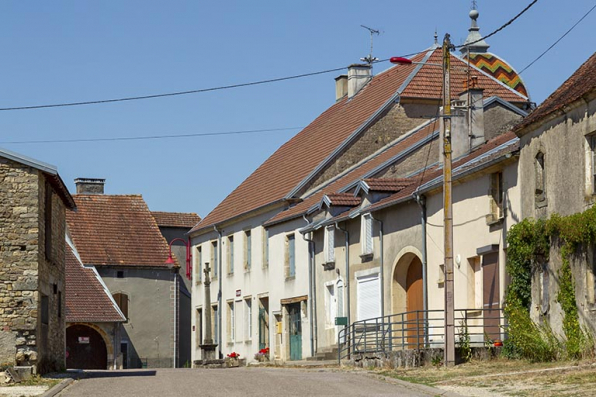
(415, 305)
(490, 294)
(85, 348)
(295, 332)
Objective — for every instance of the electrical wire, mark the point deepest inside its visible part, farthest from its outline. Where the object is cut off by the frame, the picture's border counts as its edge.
(178, 93)
(502, 26)
(139, 138)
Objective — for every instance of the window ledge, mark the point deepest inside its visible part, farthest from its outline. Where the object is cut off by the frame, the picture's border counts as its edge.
(542, 203)
(366, 257)
(329, 265)
(492, 220)
(290, 278)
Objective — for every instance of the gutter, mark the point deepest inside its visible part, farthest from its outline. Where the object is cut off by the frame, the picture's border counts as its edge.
(421, 200)
(311, 290)
(381, 264)
(347, 276)
(219, 293)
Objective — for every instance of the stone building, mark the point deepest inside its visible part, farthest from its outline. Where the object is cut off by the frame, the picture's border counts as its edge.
(33, 203)
(119, 237)
(557, 173)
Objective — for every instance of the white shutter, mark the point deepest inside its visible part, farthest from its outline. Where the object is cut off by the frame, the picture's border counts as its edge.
(369, 297)
(330, 244)
(366, 234)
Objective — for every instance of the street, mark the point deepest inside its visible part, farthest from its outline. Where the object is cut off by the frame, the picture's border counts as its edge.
(235, 382)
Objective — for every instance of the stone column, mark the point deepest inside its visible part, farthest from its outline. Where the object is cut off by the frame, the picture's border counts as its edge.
(208, 347)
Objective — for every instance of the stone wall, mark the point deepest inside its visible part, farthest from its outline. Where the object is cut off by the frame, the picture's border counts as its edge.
(24, 272)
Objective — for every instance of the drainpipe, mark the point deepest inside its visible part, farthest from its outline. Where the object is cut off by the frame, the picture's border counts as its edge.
(421, 200)
(311, 289)
(381, 264)
(347, 276)
(219, 293)
(175, 271)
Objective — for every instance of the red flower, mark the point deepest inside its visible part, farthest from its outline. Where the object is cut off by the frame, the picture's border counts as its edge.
(233, 355)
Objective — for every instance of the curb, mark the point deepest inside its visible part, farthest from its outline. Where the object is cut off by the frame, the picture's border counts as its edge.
(58, 388)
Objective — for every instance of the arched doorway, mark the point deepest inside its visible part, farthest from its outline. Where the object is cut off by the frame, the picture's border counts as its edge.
(415, 304)
(85, 348)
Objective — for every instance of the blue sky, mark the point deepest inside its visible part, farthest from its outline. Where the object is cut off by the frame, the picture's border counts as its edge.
(64, 51)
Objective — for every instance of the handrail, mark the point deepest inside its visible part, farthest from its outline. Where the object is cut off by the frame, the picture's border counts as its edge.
(407, 331)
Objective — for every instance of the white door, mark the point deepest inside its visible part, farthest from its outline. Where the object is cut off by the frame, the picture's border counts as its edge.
(340, 307)
(369, 297)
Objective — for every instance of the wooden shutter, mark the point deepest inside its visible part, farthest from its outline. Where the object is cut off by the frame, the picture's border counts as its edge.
(122, 302)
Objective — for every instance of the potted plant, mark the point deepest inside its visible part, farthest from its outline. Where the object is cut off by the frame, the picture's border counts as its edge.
(233, 359)
(262, 355)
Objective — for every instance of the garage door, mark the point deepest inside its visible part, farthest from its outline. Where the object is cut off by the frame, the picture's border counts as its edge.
(369, 297)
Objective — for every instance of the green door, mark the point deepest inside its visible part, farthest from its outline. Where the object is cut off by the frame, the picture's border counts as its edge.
(263, 329)
(295, 332)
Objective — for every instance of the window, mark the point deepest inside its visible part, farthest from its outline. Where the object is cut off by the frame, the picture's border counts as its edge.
(45, 310)
(290, 256)
(122, 302)
(231, 255)
(231, 323)
(248, 318)
(48, 221)
(474, 283)
(590, 276)
(496, 197)
(265, 247)
(591, 164)
(540, 179)
(199, 266)
(214, 259)
(247, 250)
(441, 279)
(120, 274)
(330, 244)
(198, 328)
(330, 305)
(366, 233)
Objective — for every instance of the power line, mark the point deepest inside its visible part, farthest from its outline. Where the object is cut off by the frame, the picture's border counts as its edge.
(178, 93)
(502, 26)
(559, 39)
(139, 138)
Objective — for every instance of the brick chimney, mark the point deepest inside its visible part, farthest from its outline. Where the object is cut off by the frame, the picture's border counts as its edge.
(358, 77)
(90, 185)
(341, 86)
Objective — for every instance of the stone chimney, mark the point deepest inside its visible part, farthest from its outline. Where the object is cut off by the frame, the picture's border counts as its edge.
(468, 124)
(358, 77)
(341, 86)
(89, 185)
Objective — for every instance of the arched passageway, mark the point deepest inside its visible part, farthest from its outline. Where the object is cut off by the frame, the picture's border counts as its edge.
(85, 348)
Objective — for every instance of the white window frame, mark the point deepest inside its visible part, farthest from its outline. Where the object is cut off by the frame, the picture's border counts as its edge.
(247, 250)
(231, 322)
(330, 244)
(366, 233)
(248, 318)
(330, 304)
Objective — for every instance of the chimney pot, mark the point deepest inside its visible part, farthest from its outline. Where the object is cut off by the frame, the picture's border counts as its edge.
(358, 76)
(90, 185)
(341, 86)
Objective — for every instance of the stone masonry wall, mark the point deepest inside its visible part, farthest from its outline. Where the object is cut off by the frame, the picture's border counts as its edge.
(390, 126)
(51, 283)
(21, 247)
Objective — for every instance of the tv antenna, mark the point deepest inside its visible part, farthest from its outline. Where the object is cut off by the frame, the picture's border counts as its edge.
(370, 59)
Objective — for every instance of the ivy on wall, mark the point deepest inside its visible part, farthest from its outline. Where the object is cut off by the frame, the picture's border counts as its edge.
(529, 245)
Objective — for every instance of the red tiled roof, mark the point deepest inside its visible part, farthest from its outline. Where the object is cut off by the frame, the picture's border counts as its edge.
(579, 84)
(176, 219)
(387, 185)
(86, 299)
(343, 199)
(356, 174)
(116, 230)
(298, 157)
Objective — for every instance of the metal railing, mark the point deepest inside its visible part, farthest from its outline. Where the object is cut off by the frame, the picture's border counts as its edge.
(419, 329)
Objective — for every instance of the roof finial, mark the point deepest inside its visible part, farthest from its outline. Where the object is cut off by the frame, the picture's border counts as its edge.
(474, 43)
(436, 37)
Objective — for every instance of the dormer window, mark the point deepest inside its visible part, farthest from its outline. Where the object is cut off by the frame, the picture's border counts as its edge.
(366, 235)
(330, 244)
(540, 179)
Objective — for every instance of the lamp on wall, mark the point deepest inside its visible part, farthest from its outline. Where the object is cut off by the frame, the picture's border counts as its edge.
(170, 262)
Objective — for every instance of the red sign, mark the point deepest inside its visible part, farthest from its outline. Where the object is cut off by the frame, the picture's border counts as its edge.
(84, 339)
(238, 292)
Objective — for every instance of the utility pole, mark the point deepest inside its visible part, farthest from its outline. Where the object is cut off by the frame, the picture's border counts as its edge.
(449, 358)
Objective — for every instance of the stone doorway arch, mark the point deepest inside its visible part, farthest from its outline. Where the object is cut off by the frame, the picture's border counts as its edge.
(86, 347)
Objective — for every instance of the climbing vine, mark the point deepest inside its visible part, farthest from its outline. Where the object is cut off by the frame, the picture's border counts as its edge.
(529, 245)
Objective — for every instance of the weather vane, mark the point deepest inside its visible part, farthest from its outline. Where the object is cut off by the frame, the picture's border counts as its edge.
(370, 59)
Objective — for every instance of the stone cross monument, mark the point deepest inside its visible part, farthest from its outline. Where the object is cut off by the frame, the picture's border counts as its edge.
(208, 347)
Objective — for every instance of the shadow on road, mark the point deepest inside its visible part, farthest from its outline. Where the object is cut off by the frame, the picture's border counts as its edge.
(119, 374)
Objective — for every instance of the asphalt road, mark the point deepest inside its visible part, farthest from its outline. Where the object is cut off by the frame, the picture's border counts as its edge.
(261, 382)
